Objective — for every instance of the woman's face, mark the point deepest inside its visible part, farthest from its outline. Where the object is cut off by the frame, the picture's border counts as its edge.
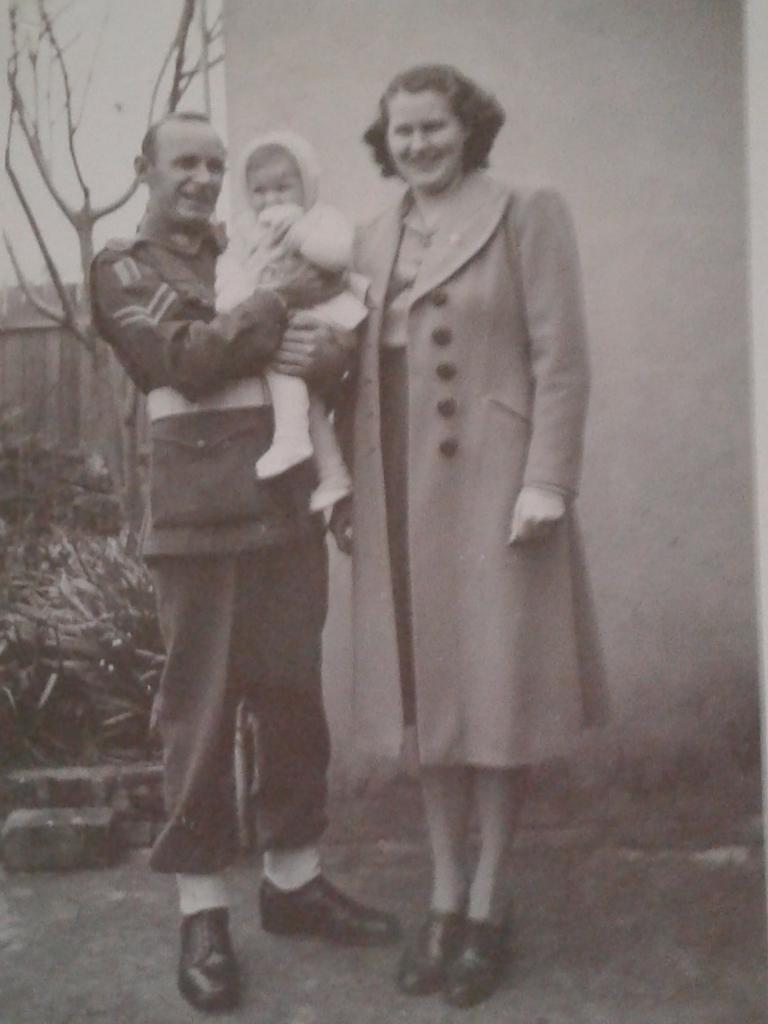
(426, 140)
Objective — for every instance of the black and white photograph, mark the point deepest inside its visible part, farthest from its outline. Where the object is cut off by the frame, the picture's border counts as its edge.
(383, 511)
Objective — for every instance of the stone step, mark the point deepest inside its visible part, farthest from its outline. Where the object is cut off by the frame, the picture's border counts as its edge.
(59, 838)
(134, 789)
(134, 792)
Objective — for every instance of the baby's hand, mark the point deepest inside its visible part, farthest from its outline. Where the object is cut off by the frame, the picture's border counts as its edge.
(324, 237)
(278, 220)
(302, 286)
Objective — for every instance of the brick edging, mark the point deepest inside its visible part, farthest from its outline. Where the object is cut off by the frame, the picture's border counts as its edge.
(133, 791)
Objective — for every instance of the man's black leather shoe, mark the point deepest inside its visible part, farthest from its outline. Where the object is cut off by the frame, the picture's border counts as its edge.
(208, 974)
(424, 961)
(318, 908)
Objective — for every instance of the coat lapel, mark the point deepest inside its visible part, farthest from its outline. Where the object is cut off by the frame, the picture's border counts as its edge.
(377, 251)
(469, 224)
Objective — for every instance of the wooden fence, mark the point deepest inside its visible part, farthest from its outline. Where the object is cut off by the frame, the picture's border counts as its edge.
(47, 380)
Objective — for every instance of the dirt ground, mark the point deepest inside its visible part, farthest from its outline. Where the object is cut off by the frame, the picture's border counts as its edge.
(653, 917)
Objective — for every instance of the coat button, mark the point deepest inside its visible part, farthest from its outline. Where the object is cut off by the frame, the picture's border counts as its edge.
(449, 446)
(439, 297)
(447, 406)
(200, 442)
(442, 336)
(446, 371)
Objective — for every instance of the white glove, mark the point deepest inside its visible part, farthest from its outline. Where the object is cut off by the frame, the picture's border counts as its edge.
(537, 511)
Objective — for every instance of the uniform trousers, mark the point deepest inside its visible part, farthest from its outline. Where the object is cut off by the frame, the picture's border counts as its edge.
(244, 625)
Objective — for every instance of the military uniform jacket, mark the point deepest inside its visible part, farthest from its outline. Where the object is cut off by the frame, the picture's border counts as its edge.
(153, 302)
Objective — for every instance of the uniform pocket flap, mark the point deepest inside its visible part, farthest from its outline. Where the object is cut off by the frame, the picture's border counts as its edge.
(203, 431)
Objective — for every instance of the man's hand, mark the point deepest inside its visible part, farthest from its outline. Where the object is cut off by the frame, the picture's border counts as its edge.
(340, 525)
(537, 512)
(303, 285)
(309, 350)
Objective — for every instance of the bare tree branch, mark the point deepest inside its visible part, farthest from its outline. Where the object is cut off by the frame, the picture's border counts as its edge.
(214, 29)
(33, 56)
(50, 119)
(104, 211)
(91, 69)
(214, 33)
(189, 76)
(71, 126)
(158, 82)
(86, 217)
(182, 33)
(180, 83)
(193, 72)
(55, 315)
(65, 47)
(18, 112)
(47, 109)
(177, 46)
(69, 312)
(63, 10)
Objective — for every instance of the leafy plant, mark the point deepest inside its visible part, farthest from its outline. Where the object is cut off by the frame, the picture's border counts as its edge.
(42, 484)
(80, 651)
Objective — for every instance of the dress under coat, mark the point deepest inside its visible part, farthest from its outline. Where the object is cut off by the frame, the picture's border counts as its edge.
(506, 655)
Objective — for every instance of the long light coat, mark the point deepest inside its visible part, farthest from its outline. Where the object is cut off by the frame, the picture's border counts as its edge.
(507, 667)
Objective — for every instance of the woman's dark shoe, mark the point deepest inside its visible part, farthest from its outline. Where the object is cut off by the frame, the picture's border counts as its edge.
(319, 908)
(422, 966)
(208, 974)
(476, 971)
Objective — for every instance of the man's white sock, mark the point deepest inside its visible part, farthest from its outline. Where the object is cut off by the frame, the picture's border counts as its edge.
(290, 869)
(201, 892)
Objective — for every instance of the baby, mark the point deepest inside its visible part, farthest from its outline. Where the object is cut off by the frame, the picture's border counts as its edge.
(283, 224)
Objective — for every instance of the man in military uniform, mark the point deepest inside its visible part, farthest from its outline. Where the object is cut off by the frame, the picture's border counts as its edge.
(239, 565)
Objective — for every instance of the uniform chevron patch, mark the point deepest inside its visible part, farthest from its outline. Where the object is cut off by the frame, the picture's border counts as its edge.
(152, 312)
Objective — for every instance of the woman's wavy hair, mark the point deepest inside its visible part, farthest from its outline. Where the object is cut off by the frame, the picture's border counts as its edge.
(479, 112)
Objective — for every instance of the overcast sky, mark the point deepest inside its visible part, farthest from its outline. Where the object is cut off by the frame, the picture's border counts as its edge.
(124, 41)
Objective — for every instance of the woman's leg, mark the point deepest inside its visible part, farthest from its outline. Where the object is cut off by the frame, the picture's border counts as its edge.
(431, 948)
(476, 971)
(446, 792)
(498, 796)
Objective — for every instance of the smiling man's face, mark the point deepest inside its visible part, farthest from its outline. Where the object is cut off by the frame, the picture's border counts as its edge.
(184, 178)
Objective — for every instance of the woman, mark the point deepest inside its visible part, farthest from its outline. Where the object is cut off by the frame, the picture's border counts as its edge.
(466, 427)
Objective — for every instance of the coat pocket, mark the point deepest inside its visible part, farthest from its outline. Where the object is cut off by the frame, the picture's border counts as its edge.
(513, 404)
(203, 470)
(506, 433)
